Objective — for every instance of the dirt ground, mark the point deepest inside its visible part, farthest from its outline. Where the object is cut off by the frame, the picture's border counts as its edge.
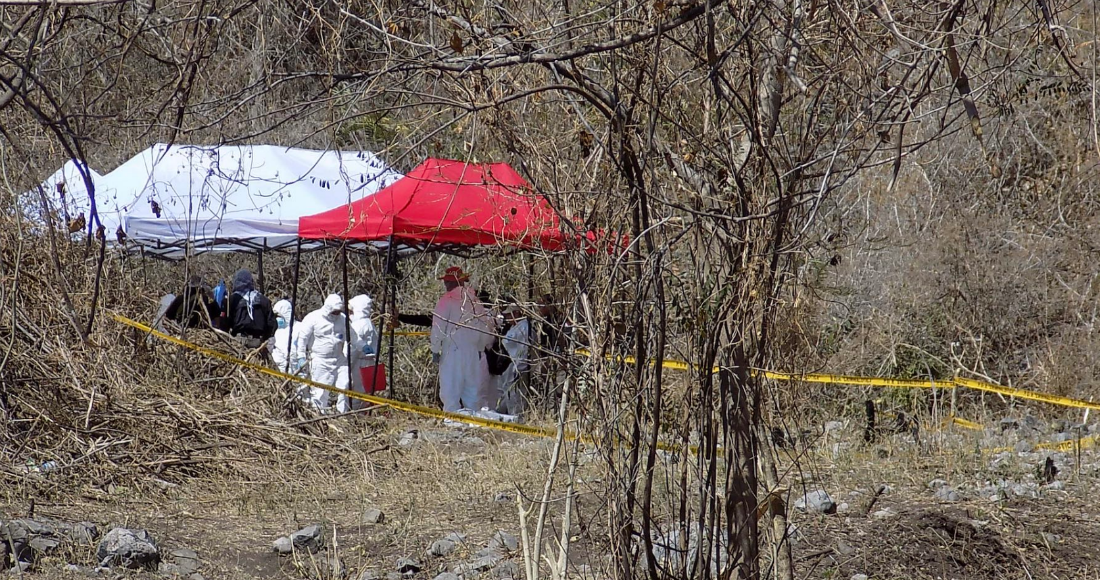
(889, 524)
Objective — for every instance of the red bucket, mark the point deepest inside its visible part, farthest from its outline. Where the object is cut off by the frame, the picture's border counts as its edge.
(373, 382)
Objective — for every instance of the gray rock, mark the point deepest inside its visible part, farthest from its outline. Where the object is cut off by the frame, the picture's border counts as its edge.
(310, 538)
(1023, 446)
(506, 570)
(448, 576)
(441, 548)
(1050, 538)
(947, 494)
(21, 551)
(479, 564)
(833, 426)
(85, 533)
(168, 569)
(504, 497)
(283, 546)
(1055, 486)
(20, 568)
(1061, 437)
(408, 438)
(1029, 490)
(43, 545)
(196, 576)
(505, 541)
(5, 562)
(884, 514)
(816, 502)
(844, 548)
(859, 577)
(369, 574)
(186, 561)
(937, 483)
(373, 516)
(128, 548)
(394, 576)
(408, 566)
(74, 569)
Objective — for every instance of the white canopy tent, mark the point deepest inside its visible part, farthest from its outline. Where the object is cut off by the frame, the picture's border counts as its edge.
(176, 199)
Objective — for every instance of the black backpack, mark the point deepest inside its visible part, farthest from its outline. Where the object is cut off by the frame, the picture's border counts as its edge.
(257, 322)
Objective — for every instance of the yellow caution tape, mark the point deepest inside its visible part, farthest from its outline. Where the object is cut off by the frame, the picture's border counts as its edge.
(411, 333)
(394, 404)
(886, 382)
(965, 424)
(1085, 443)
(518, 428)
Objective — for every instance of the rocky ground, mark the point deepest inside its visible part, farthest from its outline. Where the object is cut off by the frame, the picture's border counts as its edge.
(438, 502)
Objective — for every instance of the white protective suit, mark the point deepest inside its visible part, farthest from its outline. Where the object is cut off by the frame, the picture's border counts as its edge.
(322, 337)
(281, 347)
(364, 340)
(515, 343)
(461, 331)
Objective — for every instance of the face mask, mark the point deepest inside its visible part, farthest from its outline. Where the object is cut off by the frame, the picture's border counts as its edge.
(282, 323)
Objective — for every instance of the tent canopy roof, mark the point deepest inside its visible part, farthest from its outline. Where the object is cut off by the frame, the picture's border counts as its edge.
(225, 198)
(445, 203)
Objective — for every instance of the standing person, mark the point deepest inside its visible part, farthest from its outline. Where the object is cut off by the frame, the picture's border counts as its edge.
(282, 346)
(250, 313)
(194, 306)
(322, 338)
(516, 342)
(460, 334)
(364, 339)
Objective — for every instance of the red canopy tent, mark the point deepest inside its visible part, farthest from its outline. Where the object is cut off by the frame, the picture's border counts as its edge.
(441, 203)
(445, 203)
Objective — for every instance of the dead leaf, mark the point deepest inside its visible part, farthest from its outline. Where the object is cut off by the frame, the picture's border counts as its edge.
(456, 42)
(77, 224)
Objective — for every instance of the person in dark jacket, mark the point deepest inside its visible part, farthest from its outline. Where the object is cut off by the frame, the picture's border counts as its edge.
(187, 307)
(250, 313)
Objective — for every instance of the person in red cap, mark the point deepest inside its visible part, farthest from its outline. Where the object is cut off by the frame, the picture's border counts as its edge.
(461, 331)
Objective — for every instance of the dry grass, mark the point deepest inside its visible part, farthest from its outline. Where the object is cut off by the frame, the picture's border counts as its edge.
(449, 480)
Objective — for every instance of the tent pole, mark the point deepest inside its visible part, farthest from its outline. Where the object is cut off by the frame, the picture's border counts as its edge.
(392, 280)
(293, 305)
(260, 267)
(347, 316)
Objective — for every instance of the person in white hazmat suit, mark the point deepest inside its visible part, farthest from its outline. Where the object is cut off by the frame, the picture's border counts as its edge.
(516, 343)
(323, 339)
(364, 340)
(461, 331)
(281, 346)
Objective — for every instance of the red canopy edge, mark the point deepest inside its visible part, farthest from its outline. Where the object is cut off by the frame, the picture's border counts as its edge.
(448, 202)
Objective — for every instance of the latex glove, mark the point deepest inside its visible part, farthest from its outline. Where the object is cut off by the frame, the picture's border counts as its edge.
(367, 350)
(435, 357)
(299, 364)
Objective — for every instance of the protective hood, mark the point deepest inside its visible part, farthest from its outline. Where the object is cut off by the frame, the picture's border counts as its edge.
(283, 309)
(332, 304)
(360, 307)
(242, 282)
